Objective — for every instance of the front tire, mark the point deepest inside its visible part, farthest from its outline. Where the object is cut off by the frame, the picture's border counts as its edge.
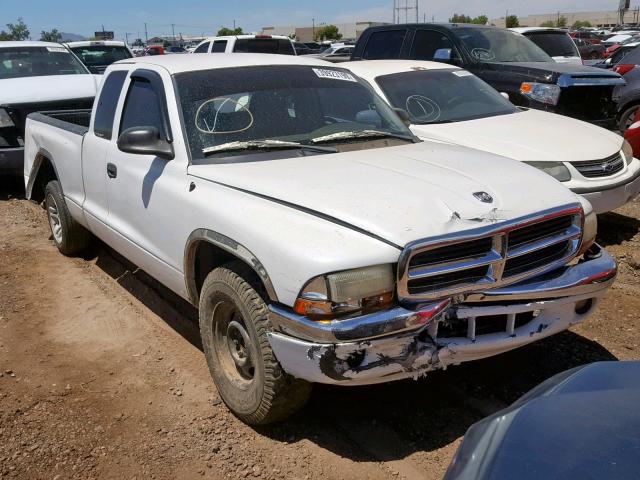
(234, 323)
(68, 235)
(627, 118)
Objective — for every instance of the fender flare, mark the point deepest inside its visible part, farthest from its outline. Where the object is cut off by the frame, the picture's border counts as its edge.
(35, 169)
(229, 245)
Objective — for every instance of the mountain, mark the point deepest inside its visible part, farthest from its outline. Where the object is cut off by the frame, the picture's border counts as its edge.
(72, 37)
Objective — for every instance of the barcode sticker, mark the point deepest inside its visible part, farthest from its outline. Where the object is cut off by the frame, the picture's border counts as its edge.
(334, 74)
(462, 73)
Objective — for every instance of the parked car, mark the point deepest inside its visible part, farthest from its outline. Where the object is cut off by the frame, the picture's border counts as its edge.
(506, 60)
(28, 73)
(315, 46)
(153, 50)
(302, 49)
(629, 94)
(555, 42)
(97, 56)
(247, 44)
(579, 424)
(321, 240)
(336, 53)
(593, 37)
(175, 49)
(634, 39)
(448, 104)
(591, 51)
(632, 134)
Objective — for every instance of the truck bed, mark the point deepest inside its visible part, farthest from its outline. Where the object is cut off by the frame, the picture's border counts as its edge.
(74, 121)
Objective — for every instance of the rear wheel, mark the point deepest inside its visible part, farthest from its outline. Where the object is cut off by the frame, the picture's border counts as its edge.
(234, 324)
(627, 118)
(69, 236)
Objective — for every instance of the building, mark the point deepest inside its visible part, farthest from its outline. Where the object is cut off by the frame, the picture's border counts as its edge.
(605, 18)
(349, 31)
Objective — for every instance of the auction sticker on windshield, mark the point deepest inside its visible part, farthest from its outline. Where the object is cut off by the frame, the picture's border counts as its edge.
(334, 74)
(57, 49)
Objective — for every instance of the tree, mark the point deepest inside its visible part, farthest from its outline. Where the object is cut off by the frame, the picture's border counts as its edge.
(328, 32)
(460, 18)
(581, 24)
(480, 20)
(512, 21)
(562, 21)
(52, 36)
(548, 24)
(224, 31)
(17, 31)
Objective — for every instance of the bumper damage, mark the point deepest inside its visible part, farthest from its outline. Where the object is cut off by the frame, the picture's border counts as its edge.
(407, 343)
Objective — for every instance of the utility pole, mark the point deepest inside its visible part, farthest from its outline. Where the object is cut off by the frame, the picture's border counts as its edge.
(173, 32)
(126, 36)
(234, 23)
(313, 28)
(146, 35)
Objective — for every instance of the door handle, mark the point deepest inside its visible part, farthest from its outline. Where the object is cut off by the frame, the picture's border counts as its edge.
(112, 170)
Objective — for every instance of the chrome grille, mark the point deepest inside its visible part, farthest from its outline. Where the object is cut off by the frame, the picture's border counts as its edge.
(600, 168)
(489, 257)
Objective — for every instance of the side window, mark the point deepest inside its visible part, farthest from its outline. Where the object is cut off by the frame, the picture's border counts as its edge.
(427, 42)
(203, 48)
(106, 109)
(383, 44)
(142, 107)
(219, 46)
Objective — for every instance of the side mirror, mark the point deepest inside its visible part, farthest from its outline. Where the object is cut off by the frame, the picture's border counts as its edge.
(443, 55)
(145, 141)
(404, 116)
(608, 61)
(505, 95)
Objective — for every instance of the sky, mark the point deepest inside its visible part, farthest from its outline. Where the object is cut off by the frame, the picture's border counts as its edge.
(195, 17)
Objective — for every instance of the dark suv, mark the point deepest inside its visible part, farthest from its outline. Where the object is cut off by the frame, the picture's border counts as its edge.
(506, 60)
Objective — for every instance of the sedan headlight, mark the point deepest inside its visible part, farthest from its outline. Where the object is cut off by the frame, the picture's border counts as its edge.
(627, 151)
(556, 169)
(542, 92)
(5, 119)
(590, 228)
(361, 290)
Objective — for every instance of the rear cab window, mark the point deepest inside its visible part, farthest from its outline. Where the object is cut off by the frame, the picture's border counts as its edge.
(385, 44)
(97, 57)
(264, 45)
(556, 44)
(107, 104)
(203, 48)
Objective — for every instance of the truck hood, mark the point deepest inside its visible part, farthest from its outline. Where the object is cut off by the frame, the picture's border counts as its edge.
(401, 193)
(46, 89)
(551, 72)
(529, 135)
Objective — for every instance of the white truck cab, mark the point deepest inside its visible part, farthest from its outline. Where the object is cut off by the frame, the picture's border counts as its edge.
(321, 241)
(276, 44)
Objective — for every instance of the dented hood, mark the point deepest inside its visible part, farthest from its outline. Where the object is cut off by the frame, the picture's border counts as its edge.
(401, 193)
(529, 135)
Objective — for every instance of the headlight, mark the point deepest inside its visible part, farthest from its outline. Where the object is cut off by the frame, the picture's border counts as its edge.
(361, 290)
(556, 169)
(542, 92)
(627, 151)
(5, 119)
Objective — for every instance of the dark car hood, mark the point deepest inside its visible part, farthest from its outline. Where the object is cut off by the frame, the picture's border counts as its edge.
(581, 424)
(551, 72)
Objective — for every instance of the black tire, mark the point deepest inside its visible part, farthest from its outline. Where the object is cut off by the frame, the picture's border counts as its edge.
(68, 235)
(234, 323)
(627, 117)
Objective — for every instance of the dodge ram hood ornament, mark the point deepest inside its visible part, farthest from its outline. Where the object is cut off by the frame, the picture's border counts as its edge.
(483, 197)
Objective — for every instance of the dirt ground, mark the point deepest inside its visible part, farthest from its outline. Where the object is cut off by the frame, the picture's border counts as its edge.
(102, 376)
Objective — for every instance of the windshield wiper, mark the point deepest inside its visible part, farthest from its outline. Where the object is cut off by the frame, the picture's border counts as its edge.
(265, 145)
(361, 134)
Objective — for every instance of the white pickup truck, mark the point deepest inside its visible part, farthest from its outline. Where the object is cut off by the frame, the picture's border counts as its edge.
(320, 239)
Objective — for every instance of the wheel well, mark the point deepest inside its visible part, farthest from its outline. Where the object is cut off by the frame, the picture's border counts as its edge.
(45, 174)
(208, 257)
(631, 103)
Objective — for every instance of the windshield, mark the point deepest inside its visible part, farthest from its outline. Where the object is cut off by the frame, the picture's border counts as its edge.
(496, 45)
(443, 96)
(97, 56)
(17, 62)
(556, 44)
(288, 103)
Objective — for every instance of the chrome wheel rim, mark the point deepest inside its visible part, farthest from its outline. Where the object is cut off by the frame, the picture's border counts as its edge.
(54, 219)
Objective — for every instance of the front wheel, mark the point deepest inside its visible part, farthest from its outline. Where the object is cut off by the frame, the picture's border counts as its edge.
(627, 118)
(233, 324)
(69, 236)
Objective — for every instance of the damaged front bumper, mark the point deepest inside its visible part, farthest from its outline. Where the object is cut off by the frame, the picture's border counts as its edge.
(407, 342)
